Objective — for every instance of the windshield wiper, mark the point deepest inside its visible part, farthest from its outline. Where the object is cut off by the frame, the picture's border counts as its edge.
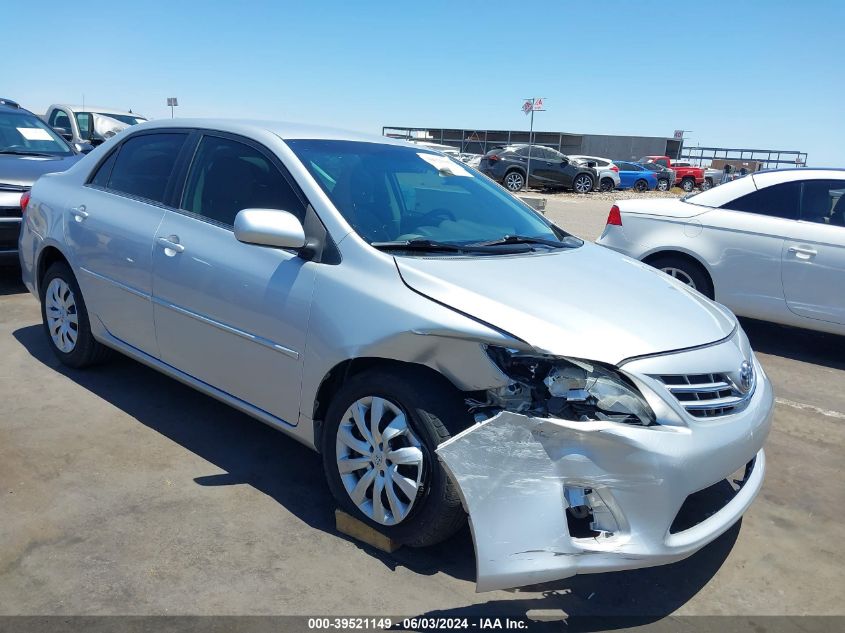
(435, 246)
(566, 242)
(23, 152)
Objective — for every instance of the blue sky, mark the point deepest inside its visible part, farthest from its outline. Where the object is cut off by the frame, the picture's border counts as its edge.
(765, 74)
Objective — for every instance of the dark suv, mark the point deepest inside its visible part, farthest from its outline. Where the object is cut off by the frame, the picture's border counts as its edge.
(549, 169)
(28, 149)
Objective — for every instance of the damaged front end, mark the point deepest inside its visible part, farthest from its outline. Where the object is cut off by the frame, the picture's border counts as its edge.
(566, 388)
(568, 470)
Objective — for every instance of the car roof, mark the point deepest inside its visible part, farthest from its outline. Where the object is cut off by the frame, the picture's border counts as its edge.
(285, 131)
(93, 108)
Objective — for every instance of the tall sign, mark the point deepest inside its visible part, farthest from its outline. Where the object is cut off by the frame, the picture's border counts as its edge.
(529, 107)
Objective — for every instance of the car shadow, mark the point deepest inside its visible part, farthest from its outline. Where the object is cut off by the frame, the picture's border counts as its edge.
(794, 343)
(252, 453)
(10, 281)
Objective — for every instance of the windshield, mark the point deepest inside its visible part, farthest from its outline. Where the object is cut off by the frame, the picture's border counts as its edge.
(26, 134)
(391, 193)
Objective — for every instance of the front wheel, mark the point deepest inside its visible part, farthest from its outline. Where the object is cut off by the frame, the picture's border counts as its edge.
(663, 185)
(514, 181)
(582, 184)
(378, 444)
(688, 184)
(65, 319)
(707, 184)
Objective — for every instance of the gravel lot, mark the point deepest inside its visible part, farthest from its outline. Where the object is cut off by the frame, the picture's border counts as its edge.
(125, 492)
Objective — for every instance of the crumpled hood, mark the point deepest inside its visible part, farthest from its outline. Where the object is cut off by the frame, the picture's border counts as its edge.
(23, 171)
(587, 302)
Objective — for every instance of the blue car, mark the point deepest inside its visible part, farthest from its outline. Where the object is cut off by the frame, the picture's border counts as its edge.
(635, 176)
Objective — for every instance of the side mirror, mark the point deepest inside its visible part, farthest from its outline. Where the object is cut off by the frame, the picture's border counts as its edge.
(269, 227)
(83, 148)
(64, 133)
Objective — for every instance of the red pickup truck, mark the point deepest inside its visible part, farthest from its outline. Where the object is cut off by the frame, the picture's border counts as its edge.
(687, 176)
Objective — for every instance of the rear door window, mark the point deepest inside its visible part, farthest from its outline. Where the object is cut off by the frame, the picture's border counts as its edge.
(823, 202)
(777, 201)
(145, 163)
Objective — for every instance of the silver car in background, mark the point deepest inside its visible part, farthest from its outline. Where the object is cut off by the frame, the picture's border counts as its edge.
(447, 349)
(608, 173)
(769, 246)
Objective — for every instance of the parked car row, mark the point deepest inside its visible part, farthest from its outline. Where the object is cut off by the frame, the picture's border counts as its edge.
(551, 169)
(31, 146)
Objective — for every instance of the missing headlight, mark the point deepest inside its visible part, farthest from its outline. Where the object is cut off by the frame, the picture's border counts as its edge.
(566, 388)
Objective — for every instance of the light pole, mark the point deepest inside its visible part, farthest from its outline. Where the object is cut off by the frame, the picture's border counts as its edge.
(172, 102)
(531, 106)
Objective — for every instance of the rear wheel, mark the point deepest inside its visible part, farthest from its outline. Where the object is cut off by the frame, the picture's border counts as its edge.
(685, 270)
(606, 184)
(65, 319)
(382, 429)
(583, 183)
(687, 184)
(641, 185)
(514, 181)
(663, 184)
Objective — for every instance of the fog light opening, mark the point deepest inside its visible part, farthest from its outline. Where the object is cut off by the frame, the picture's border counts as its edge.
(587, 515)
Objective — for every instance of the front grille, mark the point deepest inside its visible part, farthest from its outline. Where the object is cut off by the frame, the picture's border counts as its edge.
(706, 395)
(701, 505)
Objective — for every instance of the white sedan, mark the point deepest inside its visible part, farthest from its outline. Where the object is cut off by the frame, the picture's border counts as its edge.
(770, 246)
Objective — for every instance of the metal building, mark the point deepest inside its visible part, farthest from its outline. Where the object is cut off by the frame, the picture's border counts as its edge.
(604, 145)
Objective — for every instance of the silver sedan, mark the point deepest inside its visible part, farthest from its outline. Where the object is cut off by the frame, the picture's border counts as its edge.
(446, 349)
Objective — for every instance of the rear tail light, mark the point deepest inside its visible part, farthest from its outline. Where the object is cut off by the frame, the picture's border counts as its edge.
(614, 168)
(614, 218)
(492, 158)
(24, 200)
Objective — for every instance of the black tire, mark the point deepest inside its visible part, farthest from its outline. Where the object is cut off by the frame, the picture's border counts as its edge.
(663, 184)
(696, 275)
(87, 351)
(688, 184)
(583, 184)
(432, 408)
(641, 185)
(514, 180)
(606, 184)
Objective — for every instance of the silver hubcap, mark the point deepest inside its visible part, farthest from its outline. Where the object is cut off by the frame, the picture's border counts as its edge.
(514, 182)
(680, 275)
(379, 459)
(662, 185)
(62, 316)
(687, 185)
(583, 184)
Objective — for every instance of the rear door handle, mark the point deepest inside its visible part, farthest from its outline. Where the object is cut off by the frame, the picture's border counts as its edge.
(79, 213)
(803, 250)
(170, 245)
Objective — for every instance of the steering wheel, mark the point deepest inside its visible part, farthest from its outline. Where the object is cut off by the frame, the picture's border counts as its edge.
(435, 213)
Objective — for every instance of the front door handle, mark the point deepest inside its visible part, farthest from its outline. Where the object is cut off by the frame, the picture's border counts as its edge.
(169, 245)
(803, 252)
(79, 213)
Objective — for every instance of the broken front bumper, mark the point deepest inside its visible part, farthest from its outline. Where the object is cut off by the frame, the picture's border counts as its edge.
(513, 471)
